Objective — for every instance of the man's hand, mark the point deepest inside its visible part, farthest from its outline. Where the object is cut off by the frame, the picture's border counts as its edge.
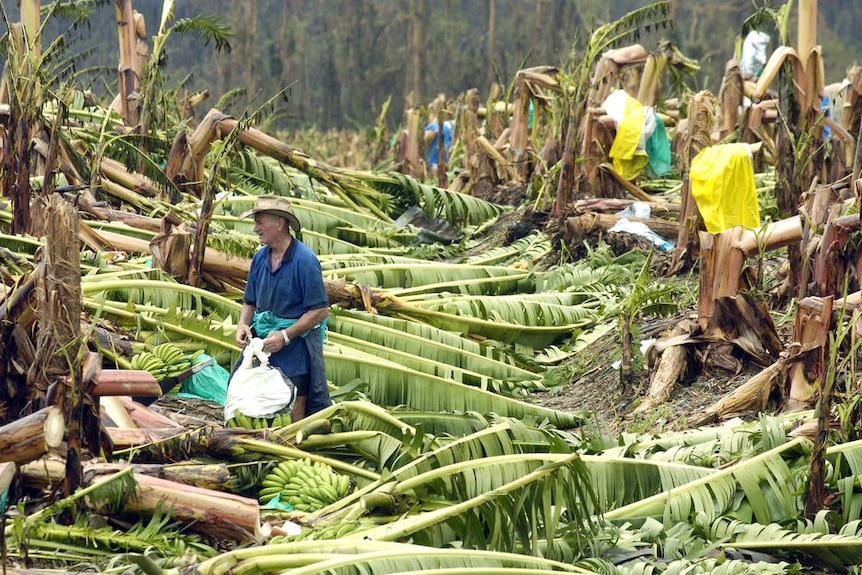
(273, 341)
(243, 334)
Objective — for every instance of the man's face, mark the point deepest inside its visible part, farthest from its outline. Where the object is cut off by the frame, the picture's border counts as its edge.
(267, 227)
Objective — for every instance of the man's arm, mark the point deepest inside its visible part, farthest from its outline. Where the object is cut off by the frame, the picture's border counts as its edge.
(307, 321)
(276, 339)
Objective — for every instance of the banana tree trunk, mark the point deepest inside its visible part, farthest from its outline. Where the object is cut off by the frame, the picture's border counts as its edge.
(519, 138)
(7, 474)
(16, 181)
(204, 510)
(592, 222)
(730, 97)
(144, 417)
(687, 240)
(567, 182)
(128, 81)
(613, 205)
(834, 259)
(724, 254)
(212, 476)
(670, 368)
(31, 437)
(806, 37)
(133, 382)
(811, 329)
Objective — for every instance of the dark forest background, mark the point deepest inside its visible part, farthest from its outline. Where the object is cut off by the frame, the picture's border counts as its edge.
(340, 60)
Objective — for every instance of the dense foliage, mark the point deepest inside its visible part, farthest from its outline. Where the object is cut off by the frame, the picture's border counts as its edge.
(342, 59)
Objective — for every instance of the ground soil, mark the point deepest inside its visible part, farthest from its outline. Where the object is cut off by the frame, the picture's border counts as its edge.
(599, 390)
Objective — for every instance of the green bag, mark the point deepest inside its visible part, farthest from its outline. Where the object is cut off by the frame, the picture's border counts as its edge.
(209, 383)
(658, 149)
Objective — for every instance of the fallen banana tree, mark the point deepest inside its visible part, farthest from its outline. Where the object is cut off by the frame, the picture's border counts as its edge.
(418, 490)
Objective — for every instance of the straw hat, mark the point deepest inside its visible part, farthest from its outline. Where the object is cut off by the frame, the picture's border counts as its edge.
(275, 205)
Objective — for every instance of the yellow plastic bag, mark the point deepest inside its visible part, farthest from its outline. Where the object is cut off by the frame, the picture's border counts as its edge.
(722, 184)
(628, 160)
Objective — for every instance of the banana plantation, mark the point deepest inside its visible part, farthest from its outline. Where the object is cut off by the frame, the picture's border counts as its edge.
(460, 292)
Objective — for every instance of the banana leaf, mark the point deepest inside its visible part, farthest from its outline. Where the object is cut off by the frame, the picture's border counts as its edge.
(456, 208)
(422, 277)
(527, 249)
(379, 557)
(436, 368)
(327, 244)
(391, 384)
(529, 504)
(442, 424)
(769, 486)
(534, 336)
(617, 482)
(846, 468)
(545, 309)
(837, 551)
(161, 293)
(424, 341)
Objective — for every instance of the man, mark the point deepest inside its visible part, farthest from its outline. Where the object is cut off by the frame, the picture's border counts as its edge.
(432, 139)
(286, 304)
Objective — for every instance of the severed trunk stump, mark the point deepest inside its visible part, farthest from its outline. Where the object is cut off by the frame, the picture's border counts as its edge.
(745, 322)
(58, 343)
(171, 247)
(671, 367)
(32, 436)
(55, 377)
(811, 334)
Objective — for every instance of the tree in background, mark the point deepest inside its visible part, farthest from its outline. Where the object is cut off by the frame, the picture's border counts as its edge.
(342, 59)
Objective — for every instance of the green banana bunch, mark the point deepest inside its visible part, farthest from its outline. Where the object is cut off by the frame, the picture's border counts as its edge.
(176, 360)
(240, 419)
(305, 485)
(164, 361)
(148, 362)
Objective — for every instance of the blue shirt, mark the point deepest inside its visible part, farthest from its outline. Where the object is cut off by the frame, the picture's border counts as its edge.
(431, 152)
(295, 287)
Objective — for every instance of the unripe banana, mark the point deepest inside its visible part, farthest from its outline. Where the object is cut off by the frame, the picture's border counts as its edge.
(266, 495)
(344, 528)
(281, 473)
(343, 485)
(288, 466)
(242, 419)
(325, 492)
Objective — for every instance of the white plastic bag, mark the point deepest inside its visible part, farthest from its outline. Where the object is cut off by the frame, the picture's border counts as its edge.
(753, 57)
(257, 391)
(642, 230)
